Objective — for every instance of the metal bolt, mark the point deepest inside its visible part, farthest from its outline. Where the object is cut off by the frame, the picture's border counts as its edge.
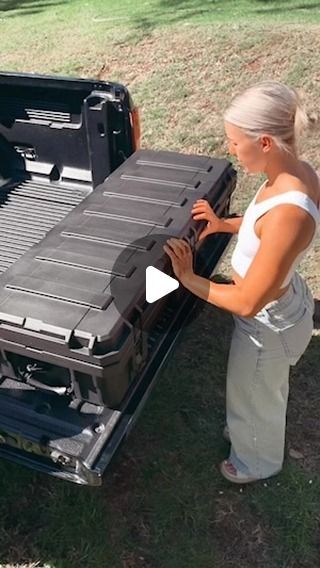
(64, 460)
(98, 428)
(60, 458)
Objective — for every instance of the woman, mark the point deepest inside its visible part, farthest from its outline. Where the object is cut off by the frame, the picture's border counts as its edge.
(270, 302)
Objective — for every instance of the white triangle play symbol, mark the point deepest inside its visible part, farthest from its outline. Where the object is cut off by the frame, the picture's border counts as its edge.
(158, 284)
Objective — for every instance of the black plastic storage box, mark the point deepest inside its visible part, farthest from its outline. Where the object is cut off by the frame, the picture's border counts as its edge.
(79, 343)
(59, 302)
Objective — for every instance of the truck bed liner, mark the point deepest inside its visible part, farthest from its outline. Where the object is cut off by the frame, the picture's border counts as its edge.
(28, 210)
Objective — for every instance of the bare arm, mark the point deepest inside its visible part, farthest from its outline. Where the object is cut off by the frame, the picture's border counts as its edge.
(230, 225)
(269, 267)
(202, 211)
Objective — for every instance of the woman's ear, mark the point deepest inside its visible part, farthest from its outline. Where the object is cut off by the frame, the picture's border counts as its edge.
(266, 143)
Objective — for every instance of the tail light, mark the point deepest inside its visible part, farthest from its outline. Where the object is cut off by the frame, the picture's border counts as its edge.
(135, 125)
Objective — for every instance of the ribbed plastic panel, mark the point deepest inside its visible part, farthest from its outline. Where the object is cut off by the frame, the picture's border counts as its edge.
(24, 109)
(28, 210)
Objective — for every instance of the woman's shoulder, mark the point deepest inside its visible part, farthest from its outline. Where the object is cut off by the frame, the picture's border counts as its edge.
(306, 181)
(293, 204)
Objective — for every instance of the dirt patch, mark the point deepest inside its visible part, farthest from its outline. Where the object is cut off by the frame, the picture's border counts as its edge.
(241, 538)
(254, 65)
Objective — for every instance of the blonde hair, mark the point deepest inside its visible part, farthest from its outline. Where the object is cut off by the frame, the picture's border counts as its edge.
(271, 108)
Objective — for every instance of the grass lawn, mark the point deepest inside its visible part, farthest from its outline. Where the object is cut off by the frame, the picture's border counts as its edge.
(163, 503)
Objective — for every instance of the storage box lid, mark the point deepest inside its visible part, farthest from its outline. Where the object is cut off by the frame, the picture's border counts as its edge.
(64, 289)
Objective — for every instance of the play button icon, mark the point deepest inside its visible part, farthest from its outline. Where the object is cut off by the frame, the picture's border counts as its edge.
(143, 287)
(158, 284)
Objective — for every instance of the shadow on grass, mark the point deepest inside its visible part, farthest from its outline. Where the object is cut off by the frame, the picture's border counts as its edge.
(144, 26)
(170, 12)
(25, 7)
(316, 317)
(165, 476)
(212, 3)
(293, 8)
(283, 5)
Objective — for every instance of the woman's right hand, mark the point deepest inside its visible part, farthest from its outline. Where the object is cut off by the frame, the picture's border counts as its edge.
(202, 211)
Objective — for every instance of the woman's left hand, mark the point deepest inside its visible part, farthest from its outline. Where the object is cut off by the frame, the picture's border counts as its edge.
(181, 257)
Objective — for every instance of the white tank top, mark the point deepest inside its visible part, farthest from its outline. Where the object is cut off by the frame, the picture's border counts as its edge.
(248, 242)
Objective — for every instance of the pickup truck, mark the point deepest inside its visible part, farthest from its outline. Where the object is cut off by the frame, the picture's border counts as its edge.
(84, 212)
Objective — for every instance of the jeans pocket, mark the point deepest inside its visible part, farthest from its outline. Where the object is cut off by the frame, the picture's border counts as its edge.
(295, 339)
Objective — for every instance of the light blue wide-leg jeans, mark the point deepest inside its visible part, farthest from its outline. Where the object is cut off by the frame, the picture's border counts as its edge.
(262, 350)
